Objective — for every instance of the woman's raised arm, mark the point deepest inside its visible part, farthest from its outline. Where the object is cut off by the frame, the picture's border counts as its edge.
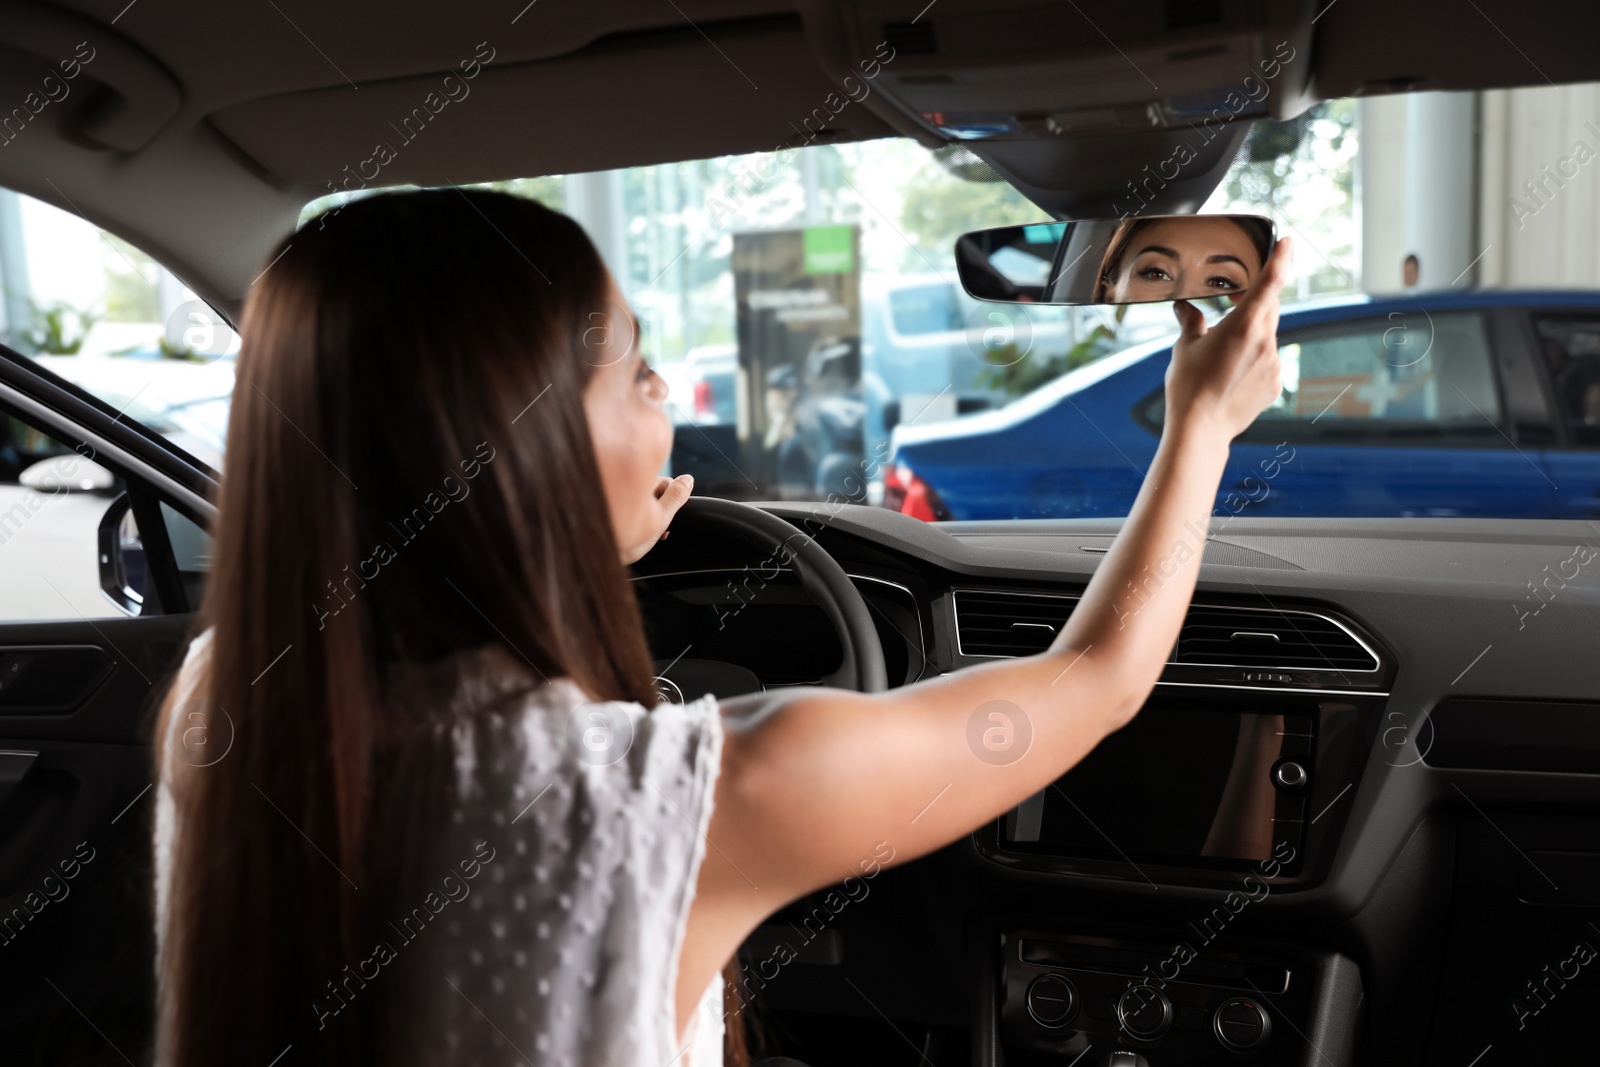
(817, 785)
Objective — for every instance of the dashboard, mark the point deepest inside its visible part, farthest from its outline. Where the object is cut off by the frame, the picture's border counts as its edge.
(1357, 817)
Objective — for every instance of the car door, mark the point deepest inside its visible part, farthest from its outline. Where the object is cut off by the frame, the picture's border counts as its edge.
(102, 554)
(1398, 413)
(1568, 354)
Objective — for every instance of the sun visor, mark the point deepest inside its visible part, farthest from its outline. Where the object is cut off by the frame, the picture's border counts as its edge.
(755, 86)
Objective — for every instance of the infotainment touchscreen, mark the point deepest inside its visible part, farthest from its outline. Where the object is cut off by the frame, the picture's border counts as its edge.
(1177, 786)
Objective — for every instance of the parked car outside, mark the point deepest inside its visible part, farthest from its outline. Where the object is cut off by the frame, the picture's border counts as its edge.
(1463, 403)
(931, 352)
(712, 375)
(184, 401)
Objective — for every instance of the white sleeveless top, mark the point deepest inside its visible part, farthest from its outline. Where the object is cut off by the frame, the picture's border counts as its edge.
(568, 947)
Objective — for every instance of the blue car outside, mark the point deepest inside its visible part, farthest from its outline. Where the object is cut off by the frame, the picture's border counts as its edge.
(1441, 404)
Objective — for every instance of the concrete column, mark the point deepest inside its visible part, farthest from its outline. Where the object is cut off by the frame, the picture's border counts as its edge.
(1441, 187)
(808, 176)
(1381, 178)
(14, 285)
(1419, 190)
(595, 200)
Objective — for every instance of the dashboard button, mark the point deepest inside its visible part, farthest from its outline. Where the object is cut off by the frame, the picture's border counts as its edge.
(1242, 1025)
(1144, 1012)
(1290, 774)
(1052, 1000)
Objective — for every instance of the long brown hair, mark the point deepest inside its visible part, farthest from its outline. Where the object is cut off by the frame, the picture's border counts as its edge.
(388, 355)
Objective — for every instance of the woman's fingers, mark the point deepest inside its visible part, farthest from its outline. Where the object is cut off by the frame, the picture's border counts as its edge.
(672, 493)
(1262, 298)
(1190, 320)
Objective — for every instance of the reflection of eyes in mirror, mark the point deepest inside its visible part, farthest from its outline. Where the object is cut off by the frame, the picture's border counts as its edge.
(1178, 259)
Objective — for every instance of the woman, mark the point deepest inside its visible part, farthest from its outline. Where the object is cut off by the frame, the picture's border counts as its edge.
(1183, 257)
(413, 808)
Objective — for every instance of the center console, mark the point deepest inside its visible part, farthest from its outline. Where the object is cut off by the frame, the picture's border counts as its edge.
(1200, 789)
(1232, 797)
(1171, 1004)
(1216, 787)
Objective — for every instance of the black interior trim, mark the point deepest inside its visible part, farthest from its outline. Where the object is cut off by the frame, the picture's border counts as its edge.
(1552, 736)
(165, 582)
(77, 407)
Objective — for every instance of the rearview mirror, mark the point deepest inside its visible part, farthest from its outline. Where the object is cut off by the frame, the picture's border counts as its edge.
(1116, 261)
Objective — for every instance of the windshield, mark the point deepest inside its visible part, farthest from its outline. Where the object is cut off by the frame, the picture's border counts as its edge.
(804, 308)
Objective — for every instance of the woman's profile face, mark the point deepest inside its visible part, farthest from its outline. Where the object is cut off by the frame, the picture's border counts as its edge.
(1175, 259)
(628, 424)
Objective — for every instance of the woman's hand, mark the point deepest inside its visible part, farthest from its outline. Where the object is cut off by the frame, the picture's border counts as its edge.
(671, 493)
(1221, 378)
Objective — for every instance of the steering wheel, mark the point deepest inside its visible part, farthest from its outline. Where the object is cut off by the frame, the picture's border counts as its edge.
(823, 580)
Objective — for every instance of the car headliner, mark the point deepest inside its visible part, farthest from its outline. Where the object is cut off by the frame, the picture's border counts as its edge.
(247, 111)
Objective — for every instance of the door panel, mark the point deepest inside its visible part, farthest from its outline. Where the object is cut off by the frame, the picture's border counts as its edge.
(76, 941)
(76, 938)
(1317, 479)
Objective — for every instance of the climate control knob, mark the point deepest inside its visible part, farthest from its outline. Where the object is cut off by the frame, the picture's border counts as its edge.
(1144, 1012)
(1242, 1025)
(1052, 1000)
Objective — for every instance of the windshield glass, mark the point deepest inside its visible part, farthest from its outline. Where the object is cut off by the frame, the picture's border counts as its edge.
(804, 307)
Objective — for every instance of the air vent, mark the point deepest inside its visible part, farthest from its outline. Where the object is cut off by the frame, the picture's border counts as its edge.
(1252, 637)
(1218, 645)
(1182, 14)
(1008, 624)
(912, 38)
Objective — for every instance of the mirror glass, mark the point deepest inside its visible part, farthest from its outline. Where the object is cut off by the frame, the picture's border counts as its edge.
(1116, 261)
(68, 473)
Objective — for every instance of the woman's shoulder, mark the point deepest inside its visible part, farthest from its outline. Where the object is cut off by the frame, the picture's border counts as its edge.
(514, 724)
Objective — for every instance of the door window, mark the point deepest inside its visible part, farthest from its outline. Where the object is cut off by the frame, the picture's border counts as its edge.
(93, 309)
(1571, 352)
(1412, 376)
(70, 541)
(1381, 381)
